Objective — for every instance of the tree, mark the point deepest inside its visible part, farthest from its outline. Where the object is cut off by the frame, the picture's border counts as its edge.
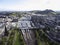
(6, 32)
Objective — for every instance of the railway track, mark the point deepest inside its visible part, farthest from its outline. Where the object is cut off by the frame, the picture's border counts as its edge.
(29, 37)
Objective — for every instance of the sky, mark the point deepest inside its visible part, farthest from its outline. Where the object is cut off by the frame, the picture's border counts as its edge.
(26, 5)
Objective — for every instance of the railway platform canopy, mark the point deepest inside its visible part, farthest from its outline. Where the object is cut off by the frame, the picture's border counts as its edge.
(38, 22)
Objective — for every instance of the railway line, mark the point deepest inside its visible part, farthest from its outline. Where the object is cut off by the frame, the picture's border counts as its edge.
(29, 37)
(49, 24)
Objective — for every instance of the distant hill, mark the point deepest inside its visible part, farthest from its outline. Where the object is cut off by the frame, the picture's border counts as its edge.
(47, 11)
(44, 12)
(5, 13)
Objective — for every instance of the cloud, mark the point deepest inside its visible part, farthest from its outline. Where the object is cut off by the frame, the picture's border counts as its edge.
(31, 5)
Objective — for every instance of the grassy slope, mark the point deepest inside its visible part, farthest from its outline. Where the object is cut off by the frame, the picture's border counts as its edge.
(18, 38)
(14, 38)
(42, 39)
